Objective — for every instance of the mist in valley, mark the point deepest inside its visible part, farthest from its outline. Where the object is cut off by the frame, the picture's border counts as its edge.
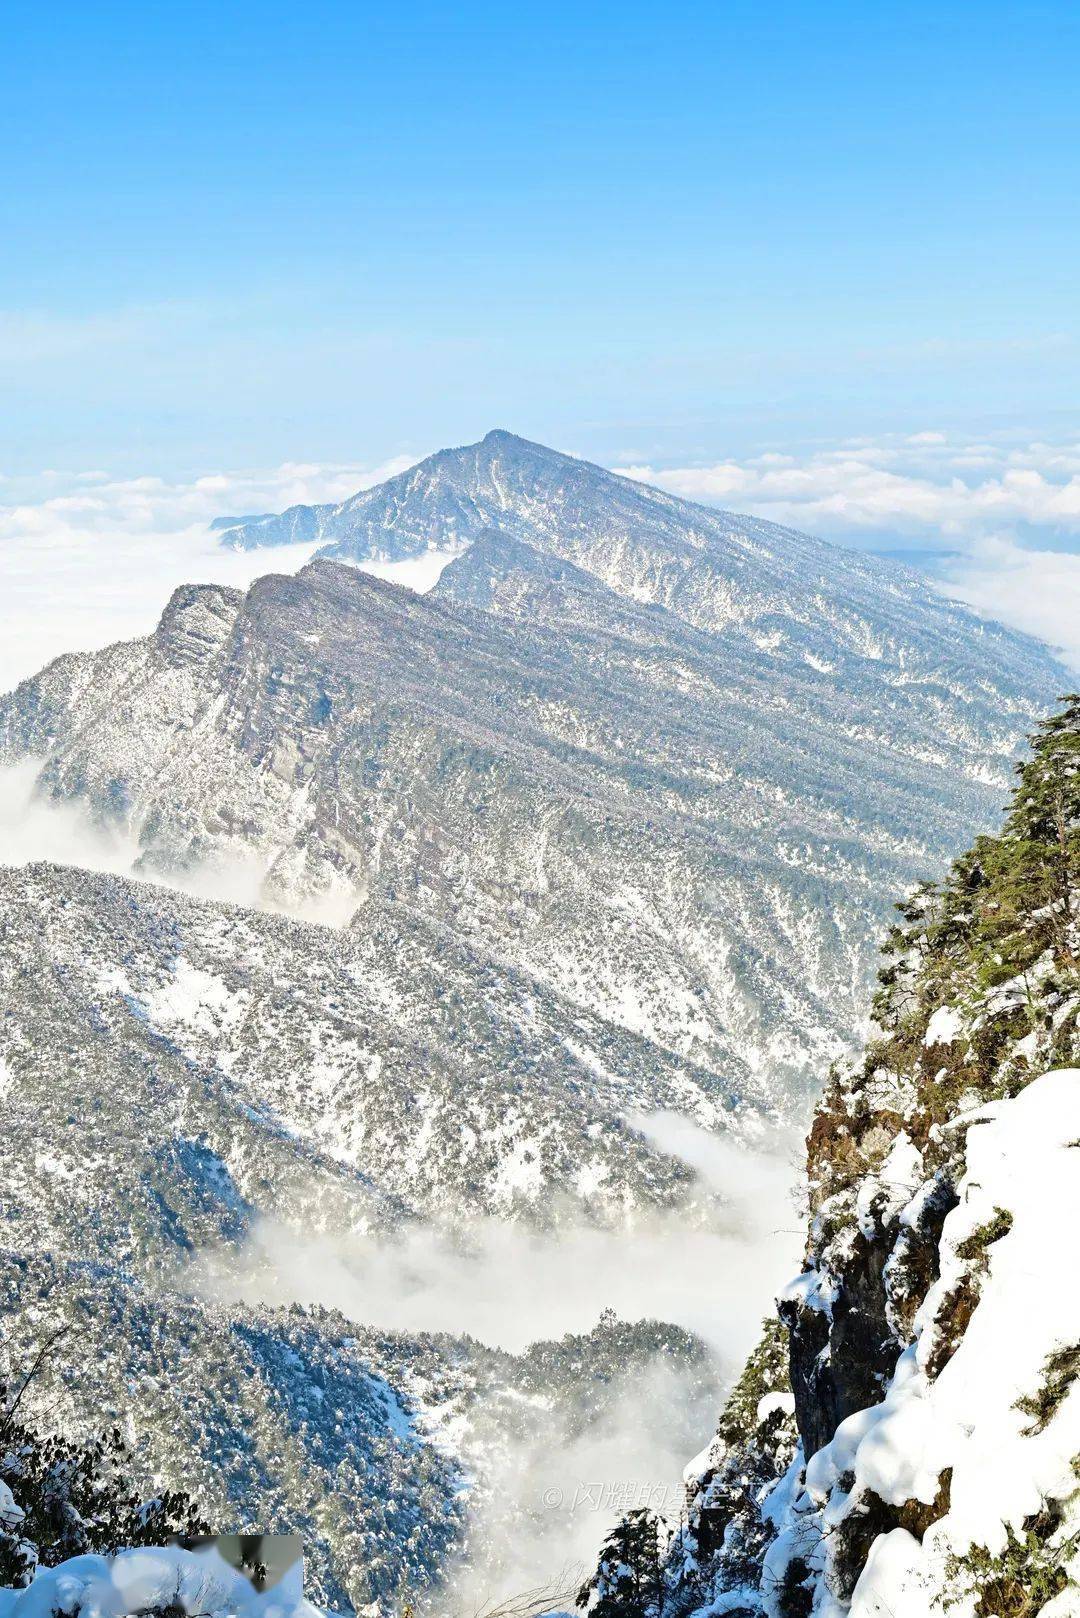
(617, 1344)
(37, 827)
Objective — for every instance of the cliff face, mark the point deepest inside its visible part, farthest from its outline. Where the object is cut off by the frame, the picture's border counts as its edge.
(917, 1448)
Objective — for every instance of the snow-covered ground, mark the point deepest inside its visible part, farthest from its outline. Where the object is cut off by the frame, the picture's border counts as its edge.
(155, 1579)
(976, 1419)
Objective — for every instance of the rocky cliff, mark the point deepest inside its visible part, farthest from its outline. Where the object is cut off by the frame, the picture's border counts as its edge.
(906, 1439)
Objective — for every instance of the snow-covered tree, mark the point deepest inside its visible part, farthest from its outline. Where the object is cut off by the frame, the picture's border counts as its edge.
(60, 1497)
(628, 1582)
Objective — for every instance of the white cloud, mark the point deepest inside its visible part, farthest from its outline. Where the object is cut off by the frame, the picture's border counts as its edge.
(509, 1287)
(922, 485)
(1037, 591)
(96, 560)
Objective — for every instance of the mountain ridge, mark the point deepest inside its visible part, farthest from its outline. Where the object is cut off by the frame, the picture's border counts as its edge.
(345, 732)
(721, 571)
(607, 822)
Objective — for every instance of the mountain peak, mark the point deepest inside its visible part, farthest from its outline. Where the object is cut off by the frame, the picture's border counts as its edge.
(196, 621)
(777, 589)
(501, 439)
(502, 435)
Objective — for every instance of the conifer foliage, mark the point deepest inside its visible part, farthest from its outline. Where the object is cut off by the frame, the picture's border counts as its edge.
(61, 1498)
(1009, 898)
(629, 1578)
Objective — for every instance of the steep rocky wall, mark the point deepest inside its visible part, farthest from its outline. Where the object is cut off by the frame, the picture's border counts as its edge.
(917, 1449)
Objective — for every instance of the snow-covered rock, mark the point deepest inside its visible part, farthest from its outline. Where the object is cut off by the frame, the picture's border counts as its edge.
(934, 1333)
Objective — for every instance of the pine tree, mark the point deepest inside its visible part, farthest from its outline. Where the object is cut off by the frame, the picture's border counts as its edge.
(628, 1582)
(1009, 898)
(1038, 859)
(67, 1497)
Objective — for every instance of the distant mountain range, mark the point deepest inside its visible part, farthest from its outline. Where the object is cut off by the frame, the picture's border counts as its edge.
(670, 763)
(720, 571)
(607, 822)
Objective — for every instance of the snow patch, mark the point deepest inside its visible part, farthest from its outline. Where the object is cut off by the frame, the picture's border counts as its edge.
(944, 1027)
(139, 1580)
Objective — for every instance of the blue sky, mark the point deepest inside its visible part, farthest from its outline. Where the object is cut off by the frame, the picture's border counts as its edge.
(239, 234)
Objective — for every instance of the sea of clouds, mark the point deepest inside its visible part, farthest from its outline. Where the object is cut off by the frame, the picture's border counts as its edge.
(91, 559)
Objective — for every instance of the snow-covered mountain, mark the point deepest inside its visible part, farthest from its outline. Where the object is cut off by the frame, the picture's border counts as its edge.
(687, 831)
(227, 1061)
(606, 823)
(775, 587)
(174, 1073)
